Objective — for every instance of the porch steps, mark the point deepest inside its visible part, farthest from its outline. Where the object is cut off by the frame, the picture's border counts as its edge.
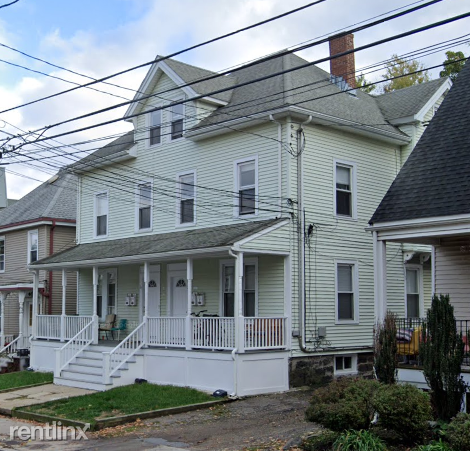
(86, 371)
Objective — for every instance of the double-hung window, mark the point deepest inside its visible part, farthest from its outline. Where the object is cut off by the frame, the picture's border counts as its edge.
(101, 214)
(412, 292)
(177, 114)
(187, 196)
(345, 190)
(32, 246)
(2, 253)
(249, 289)
(346, 292)
(155, 127)
(247, 187)
(144, 206)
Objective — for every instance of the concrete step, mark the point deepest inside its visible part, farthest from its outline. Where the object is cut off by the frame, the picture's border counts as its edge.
(71, 382)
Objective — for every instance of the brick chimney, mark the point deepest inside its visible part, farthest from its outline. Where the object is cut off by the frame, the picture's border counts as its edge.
(343, 66)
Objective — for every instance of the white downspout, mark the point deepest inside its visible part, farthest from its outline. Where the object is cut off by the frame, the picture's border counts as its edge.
(279, 160)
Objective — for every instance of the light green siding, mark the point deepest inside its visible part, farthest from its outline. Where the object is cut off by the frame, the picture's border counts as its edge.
(278, 239)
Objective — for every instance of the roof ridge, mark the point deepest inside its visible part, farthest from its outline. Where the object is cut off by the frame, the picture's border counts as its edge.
(56, 195)
(418, 85)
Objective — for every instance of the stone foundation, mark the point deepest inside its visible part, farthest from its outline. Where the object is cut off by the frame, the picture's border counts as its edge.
(319, 370)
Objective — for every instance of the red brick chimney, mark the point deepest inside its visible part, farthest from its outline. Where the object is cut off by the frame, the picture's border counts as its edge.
(344, 66)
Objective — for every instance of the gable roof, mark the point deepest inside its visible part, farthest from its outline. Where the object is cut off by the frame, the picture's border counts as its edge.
(435, 180)
(409, 102)
(54, 199)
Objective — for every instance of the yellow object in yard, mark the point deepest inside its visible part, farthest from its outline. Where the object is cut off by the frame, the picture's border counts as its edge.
(410, 347)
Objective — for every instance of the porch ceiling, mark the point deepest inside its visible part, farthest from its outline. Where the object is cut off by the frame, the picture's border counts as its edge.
(206, 241)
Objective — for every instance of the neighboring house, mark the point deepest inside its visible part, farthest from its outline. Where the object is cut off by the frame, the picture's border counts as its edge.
(34, 227)
(429, 203)
(248, 204)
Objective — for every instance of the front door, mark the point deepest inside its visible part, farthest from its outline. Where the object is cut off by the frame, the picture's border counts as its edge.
(179, 294)
(27, 317)
(153, 290)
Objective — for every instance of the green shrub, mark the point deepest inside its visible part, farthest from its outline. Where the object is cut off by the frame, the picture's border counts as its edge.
(434, 446)
(458, 432)
(404, 409)
(386, 349)
(322, 441)
(343, 404)
(358, 441)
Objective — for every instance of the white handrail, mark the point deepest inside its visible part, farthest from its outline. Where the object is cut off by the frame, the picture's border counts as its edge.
(116, 358)
(11, 347)
(73, 347)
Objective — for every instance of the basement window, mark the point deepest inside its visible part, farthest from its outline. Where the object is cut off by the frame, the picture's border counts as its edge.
(346, 364)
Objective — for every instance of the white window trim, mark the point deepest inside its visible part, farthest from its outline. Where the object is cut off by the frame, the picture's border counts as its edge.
(30, 232)
(170, 109)
(246, 261)
(95, 236)
(178, 199)
(236, 206)
(355, 280)
(353, 168)
(148, 124)
(2, 238)
(350, 371)
(419, 268)
(137, 205)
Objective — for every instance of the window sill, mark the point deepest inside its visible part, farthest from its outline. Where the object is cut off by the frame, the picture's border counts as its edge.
(346, 218)
(346, 373)
(143, 230)
(185, 224)
(152, 146)
(346, 322)
(99, 237)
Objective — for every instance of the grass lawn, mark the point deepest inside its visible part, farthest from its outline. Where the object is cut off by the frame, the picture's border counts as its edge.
(22, 378)
(121, 401)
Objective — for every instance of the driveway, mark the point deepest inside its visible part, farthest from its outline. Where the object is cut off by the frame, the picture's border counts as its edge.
(261, 422)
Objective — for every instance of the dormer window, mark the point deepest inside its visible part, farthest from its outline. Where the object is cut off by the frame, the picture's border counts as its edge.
(177, 115)
(155, 127)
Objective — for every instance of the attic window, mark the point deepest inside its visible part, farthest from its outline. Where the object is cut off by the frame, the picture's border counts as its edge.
(155, 127)
(177, 112)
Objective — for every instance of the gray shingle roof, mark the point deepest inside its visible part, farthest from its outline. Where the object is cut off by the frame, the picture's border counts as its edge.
(210, 237)
(435, 180)
(408, 101)
(53, 199)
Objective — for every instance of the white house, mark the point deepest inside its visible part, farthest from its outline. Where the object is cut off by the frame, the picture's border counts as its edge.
(242, 200)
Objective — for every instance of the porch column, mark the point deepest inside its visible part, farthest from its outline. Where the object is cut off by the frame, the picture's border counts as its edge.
(35, 302)
(238, 310)
(95, 305)
(64, 298)
(2, 324)
(21, 297)
(189, 277)
(146, 294)
(380, 277)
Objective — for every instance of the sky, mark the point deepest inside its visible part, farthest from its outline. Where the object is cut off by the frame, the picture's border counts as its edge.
(97, 38)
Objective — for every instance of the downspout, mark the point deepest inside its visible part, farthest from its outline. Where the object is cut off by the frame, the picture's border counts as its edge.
(51, 251)
(233, 254)
(279, 159)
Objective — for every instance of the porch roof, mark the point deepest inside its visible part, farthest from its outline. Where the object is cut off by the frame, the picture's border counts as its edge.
(139, 248)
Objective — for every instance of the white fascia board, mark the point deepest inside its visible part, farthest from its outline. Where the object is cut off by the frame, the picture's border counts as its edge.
(20, 286)
(131, 259)
(420, 221)
(435, 97)
(259, 234)
(30, 225)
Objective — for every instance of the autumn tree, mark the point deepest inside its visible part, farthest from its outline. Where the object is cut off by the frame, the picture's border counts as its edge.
(452, 65)
(403, 74)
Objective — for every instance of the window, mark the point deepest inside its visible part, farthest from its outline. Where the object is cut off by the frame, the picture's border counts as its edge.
(2, 253)
(32, 246)
(144, 206)
(186, 198)
(106, 304)
(346, 292)
(101, 214)
(155, 134)
(177, 112)
(345, 364)
(412, 292)
(345, 190)
(246, 187)
(249, 289)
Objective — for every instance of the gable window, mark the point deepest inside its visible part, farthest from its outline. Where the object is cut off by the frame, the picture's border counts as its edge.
(2, 253)
(177, 112)
(155, 127)
(247, 186)
(187, 192)
(144, 206)
(412, 290)
(101, 214)
(346, 292)
(345, 190)
(32, 246)
(249, 289)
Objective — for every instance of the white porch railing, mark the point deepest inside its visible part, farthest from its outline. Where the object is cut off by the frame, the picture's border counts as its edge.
(74, 324)
(48, 326)
(213, 333)
(166, 331)
(77, 344)
(12, 346)
(265, 333)
(114, 360)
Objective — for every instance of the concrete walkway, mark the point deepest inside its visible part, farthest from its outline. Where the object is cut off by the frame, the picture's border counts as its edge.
(37, 395)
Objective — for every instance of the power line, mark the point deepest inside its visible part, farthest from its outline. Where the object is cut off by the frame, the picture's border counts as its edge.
(9, 4)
